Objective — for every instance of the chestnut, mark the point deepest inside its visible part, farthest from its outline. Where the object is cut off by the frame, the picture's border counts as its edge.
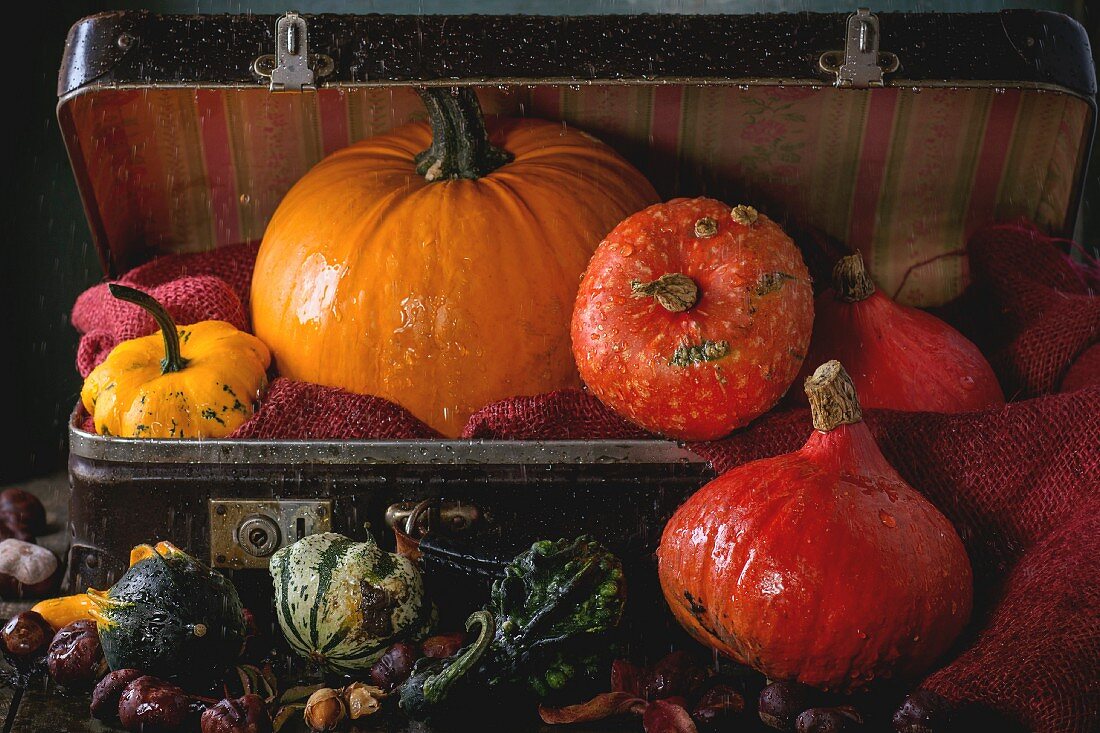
(325, 709)
(27, 570)
(26, 635)
(828, 720)
(246, 714)
(676, 674)
(151, 705)
(75, 658)
(781, 702)
(442, 646)
(12, 528)
(395, 666)
(922, 712)
(24, 507)
(717, 706)
(107, 693)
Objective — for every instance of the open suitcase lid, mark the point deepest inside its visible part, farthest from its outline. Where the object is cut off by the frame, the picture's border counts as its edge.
(898, 134)
(179, 142)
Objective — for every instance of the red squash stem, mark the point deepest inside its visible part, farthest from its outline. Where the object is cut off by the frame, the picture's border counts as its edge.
(822, 565)
(899, 358)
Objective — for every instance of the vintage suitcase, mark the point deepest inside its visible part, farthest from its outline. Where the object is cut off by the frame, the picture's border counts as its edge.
(898, 134)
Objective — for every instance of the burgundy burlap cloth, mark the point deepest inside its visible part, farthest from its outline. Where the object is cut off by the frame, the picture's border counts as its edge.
(1021, 484)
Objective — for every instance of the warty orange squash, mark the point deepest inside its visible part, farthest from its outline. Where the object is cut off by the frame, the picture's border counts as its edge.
(437, 265)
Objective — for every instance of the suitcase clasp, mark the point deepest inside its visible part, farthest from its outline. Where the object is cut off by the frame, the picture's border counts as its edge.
(292, 67)
(860, 65)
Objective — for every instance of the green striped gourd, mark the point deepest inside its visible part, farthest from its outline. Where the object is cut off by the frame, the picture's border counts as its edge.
(341, 603)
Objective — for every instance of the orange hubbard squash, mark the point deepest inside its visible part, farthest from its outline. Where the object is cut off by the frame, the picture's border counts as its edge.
(437, 265)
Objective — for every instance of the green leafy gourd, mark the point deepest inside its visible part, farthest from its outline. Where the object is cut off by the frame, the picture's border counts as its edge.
(170, 616)
(543, 616)
(341, 603)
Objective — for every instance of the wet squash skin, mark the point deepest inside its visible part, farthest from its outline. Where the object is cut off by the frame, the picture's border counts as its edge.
(197, 381)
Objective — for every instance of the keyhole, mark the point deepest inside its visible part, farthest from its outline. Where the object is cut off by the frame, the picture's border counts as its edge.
(258, 537)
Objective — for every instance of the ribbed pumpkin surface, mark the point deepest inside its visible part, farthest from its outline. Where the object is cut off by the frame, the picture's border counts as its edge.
(442, 296)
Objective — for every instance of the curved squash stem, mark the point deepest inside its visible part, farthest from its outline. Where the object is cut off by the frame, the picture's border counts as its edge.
(173, 361)
(437, 686)
(460, 143)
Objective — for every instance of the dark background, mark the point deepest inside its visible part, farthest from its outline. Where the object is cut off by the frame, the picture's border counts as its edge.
(48, 256)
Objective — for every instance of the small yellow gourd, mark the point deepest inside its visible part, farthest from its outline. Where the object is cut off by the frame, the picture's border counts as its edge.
(60, 612)
(198, 381)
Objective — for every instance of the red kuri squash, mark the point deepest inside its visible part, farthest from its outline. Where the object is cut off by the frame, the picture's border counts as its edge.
(899, 357)
(437, 265)
(693, 318)
(822, 565)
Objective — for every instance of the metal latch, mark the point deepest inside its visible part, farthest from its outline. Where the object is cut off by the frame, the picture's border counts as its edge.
(860, 65)
(292, 67)
(244, 533)
(417, 518)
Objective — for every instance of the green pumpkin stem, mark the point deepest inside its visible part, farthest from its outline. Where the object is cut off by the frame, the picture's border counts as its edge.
(437, 686)
(173, 361)
(460, 143)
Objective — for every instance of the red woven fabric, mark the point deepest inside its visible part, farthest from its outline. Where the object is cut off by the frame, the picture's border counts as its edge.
(1084, 371)
(568, 414)
(1021, 483)
(304, 411)
(1032, 309)
(192, 287)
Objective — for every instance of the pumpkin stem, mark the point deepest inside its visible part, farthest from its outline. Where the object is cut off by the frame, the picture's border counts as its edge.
(437, 686)
(833, 400)
(676, 292)
(851, 281)
(173, 361)
(460, 143)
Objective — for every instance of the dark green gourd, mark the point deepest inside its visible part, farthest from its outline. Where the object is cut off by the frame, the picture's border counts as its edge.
(172, 617)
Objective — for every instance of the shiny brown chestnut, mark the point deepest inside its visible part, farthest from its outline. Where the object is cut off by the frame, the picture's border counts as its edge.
(717, 706)
(24, 507)
(442, 646)
(395, 666)
(246, 714)
(151, 705)
(781, 702)
(923, 712)
(13, 528)
(843, 719)
(108, 692)
(75, 658)
(26, 636)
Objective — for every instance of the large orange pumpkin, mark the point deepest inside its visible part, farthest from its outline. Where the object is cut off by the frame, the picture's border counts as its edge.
(437, 265)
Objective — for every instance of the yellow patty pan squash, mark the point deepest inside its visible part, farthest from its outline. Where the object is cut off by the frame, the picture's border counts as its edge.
(198, 381)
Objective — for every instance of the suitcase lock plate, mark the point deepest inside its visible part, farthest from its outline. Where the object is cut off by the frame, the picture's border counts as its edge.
(245, 533)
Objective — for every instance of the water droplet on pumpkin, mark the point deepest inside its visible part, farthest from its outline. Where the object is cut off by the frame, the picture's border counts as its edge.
(861, 634)
(626, 250)
(954, 608)
(967, 383)
(887, 518)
